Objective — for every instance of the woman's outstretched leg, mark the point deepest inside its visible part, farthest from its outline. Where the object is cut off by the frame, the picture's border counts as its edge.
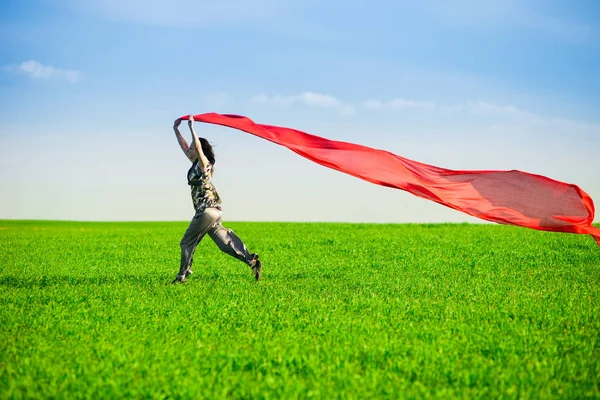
(201, 223)
(231, 244)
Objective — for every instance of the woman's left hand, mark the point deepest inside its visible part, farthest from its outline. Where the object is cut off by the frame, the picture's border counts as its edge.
(191, 120)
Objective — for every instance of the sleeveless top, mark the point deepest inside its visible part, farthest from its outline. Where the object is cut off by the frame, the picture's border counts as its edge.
(204, 194)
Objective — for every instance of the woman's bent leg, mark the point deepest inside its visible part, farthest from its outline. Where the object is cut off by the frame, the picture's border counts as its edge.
(199, 226)
(230, 243)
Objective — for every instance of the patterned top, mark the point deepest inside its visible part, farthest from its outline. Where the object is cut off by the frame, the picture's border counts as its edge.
(204, 194)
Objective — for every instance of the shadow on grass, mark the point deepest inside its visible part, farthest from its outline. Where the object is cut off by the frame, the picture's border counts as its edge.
(65, 280)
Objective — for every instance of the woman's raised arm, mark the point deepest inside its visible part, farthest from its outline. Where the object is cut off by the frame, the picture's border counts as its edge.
(196, 143)
(182, 142)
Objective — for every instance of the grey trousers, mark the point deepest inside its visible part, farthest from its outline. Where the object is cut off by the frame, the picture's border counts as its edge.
(209, 221)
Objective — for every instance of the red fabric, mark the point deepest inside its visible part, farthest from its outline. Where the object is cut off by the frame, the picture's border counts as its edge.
(506, 197)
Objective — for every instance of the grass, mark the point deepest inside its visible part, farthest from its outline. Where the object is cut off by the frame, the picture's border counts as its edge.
(343, 311)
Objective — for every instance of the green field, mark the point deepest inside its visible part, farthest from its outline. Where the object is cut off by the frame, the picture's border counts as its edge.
(343, 311)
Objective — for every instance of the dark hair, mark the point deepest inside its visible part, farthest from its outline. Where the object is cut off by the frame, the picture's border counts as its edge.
(207, 150)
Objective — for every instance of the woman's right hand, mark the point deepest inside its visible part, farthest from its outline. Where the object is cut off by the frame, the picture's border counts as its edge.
(177, 123)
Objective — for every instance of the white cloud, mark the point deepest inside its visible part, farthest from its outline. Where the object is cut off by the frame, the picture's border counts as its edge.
(509, 118)
(486, 109)
(497, 117)
(398, 104)
(37, 70)
(308, 98)
(471, 108)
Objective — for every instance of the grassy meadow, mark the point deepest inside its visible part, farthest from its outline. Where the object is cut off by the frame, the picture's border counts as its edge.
(351, 311)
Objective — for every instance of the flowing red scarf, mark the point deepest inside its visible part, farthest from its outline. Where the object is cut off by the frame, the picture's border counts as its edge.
(506, 197)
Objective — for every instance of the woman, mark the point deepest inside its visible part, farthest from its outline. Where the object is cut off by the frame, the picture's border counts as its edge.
(208, 209)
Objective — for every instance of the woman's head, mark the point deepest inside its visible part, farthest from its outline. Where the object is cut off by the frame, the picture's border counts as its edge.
(206, 149)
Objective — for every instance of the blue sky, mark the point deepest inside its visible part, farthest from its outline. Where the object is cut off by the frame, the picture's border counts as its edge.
(89, 91)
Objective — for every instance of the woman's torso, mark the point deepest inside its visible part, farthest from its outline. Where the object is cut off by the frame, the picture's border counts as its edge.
(204, 194)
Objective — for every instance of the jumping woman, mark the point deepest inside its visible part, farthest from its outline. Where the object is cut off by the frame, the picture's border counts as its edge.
(208, 209)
